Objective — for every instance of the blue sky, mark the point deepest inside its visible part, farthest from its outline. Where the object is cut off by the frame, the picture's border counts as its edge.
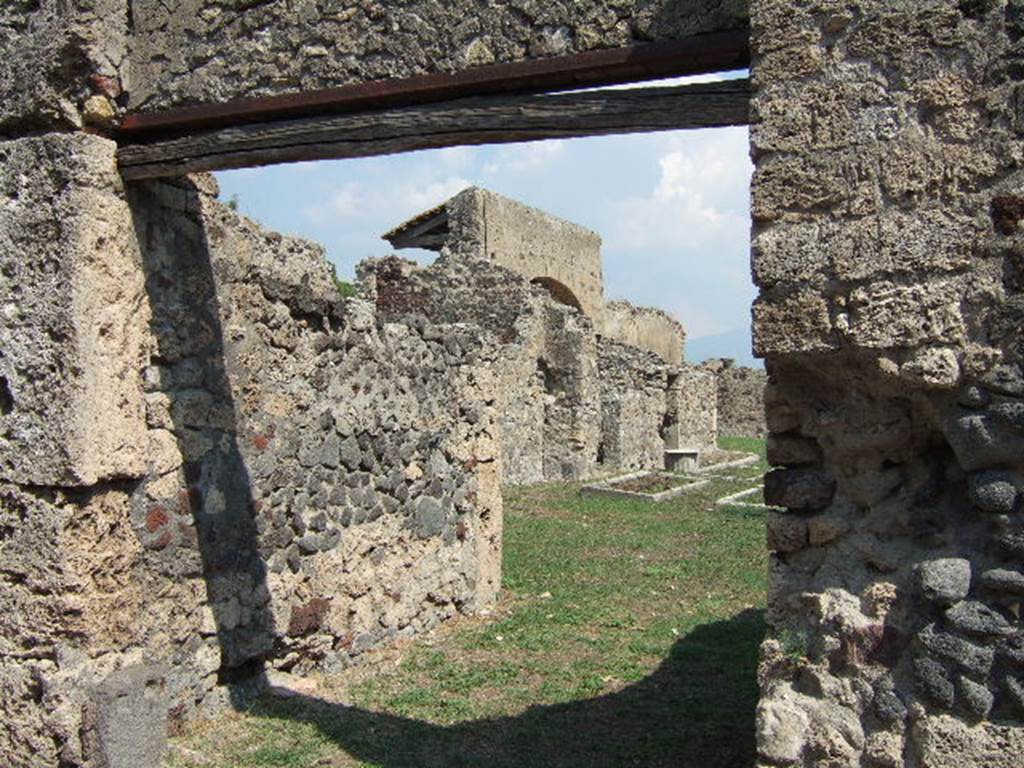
(672, 209)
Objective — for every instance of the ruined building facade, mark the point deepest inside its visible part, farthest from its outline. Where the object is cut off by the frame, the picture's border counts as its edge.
(168, 424)
(585, 386)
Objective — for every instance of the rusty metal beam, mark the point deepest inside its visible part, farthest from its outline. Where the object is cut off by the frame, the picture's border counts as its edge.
(715, 52)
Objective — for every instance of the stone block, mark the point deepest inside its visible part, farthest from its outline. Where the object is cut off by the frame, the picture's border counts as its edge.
(74, 321)
(974, 659)
(799, 489)
(981, 441)
(945, 581)
(786, 533)
(792, 451)
(946, 742)
(884, 315)
(792, 324)
(994, 492)
(975, 618)
(126, 721)
(1004, 580)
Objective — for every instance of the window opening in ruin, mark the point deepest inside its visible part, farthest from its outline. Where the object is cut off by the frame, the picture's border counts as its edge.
(671, 209)
(660, 220)
(559, 292)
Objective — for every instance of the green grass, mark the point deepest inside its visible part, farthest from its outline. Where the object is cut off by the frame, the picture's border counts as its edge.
(626, 636)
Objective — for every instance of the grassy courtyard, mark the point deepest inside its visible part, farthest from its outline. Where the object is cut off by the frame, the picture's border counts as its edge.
(627, 635)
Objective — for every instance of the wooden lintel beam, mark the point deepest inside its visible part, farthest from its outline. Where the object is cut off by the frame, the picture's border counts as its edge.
(482, 120)
(700, 54)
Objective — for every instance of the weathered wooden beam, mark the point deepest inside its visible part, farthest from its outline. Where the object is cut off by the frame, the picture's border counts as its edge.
(483, 120)
(700, 54)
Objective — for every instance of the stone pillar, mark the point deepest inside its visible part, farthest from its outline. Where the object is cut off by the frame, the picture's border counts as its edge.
(886, 138)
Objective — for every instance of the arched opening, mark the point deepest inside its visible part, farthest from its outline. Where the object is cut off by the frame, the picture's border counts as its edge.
(559, 291)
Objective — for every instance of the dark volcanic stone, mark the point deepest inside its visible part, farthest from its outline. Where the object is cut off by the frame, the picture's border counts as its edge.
(799, 489)
(975, 618)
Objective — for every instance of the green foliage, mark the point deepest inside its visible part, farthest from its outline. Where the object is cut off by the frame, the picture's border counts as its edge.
(344, 287)
(793, 643)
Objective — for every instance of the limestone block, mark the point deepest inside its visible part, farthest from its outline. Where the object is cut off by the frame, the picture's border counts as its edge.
(126, 721)
(887, 315)
(945, 742)
(839, 181)
(646, 328)
(781, 728)
(791, 324)
(74, 329)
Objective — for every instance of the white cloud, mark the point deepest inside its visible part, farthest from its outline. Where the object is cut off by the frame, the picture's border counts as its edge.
(375, 206)
(520, 158)
(412, 199)
(700, 199)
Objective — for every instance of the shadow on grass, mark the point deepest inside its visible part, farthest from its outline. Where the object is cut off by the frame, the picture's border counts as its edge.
(696, 710)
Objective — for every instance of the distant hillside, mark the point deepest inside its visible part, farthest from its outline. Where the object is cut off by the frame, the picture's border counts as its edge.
(734, 344)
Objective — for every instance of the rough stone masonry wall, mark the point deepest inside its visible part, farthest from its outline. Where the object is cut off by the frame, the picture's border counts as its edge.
(886, 202)
(184, 51)
(647, 328)
(691, 409)
(740, 398)
(483, 225)
(634, 383)
(289, 481)
(547, 378)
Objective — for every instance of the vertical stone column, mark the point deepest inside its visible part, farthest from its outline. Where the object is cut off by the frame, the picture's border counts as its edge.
(74, 340)
(886, 248)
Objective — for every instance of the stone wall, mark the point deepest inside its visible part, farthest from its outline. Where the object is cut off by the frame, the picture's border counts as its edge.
(480, 225)
(186, 51)
(289, 483)
(572, 403)
(634, 383)
(886, 246)
(740, 398)
(63, 67)
(647, 328)
(691, 409)
(886, 202)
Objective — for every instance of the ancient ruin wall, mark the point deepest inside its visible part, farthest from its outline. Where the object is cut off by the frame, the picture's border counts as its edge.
(63, 66)
(547, 376)
(634, 383)
(557, 254)
(187, 51)
(886, 205)
(740, 396)
(305, 490)
(691, 409)
(646, 328)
